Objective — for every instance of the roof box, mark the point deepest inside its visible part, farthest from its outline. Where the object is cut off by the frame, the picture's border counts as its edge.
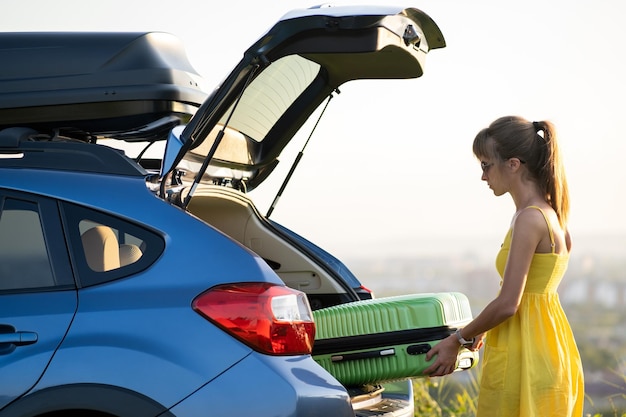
(95, 82)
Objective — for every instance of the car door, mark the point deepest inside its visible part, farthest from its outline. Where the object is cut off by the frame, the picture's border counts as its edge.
(37, 291)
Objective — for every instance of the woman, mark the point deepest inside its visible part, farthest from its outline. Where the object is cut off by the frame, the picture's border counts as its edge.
(531, 365)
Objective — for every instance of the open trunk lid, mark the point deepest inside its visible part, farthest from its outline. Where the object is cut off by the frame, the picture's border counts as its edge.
(239, 132)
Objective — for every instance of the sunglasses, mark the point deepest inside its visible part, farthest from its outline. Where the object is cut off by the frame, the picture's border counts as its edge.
(485, 166)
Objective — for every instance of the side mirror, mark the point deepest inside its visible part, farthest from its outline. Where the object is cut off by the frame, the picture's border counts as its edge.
(172, 148)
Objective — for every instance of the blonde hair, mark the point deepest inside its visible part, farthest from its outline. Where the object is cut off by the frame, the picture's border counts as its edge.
(535, 144)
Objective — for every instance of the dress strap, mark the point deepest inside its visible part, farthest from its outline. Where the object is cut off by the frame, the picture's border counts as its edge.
(548, 223)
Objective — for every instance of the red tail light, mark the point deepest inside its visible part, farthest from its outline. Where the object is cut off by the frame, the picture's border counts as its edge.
(269, 318)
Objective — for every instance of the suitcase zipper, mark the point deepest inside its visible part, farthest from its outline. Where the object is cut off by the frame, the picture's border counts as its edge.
(380, 341)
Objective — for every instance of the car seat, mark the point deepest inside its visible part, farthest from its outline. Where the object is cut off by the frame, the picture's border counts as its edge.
(101, 248)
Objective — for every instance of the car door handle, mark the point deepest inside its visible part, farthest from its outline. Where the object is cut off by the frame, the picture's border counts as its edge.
(18, 338)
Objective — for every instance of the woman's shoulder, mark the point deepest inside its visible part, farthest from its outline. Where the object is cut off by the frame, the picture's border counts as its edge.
(534, 215)
(532, 222)
(540, 224)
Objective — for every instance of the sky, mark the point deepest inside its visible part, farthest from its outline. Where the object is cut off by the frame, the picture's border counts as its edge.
(389, 170)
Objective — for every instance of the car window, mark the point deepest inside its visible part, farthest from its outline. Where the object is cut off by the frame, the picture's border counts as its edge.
(263, 102)
(106, 247)
(270, 94)
(24, 258)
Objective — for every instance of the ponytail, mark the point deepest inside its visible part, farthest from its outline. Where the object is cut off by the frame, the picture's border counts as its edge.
(551, 176)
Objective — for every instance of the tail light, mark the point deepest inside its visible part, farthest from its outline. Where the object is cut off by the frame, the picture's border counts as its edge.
(365, 293)
(269, 318)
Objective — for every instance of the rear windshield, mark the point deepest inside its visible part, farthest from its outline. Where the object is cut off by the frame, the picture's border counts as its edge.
(270, 94)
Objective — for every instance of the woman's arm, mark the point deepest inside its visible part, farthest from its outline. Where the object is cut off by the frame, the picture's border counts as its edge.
(528, 229)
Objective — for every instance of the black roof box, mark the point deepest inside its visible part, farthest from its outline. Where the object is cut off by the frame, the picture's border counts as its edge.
(95, 82)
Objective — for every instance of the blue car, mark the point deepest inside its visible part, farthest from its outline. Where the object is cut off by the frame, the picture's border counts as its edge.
(137, 277)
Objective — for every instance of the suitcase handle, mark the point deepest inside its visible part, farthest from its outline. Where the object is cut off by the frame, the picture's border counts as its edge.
(420, 349)
(363, 355)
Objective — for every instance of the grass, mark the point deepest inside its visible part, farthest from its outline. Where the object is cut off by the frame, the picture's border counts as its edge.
(451, 396)
(457, 396)
(614, 404)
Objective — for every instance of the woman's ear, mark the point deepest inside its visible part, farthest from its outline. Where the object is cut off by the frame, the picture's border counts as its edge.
(514, 164)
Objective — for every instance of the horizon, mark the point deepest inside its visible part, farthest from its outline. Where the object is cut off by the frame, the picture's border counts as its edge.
(485, 248)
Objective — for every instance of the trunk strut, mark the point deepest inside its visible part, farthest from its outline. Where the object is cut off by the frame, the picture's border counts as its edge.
(214, 146)
(297, 160)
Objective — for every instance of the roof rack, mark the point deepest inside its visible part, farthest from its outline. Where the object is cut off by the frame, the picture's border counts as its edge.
(25, 148)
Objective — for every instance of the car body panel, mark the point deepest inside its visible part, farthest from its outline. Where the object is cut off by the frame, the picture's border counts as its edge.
(45, 317)
(288, 388)
(129, 332)
(38, 289)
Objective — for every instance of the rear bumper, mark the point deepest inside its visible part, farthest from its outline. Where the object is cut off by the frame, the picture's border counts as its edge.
(393, 399)
(270, 386)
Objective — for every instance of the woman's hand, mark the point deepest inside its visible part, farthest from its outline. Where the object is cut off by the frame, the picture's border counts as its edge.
(446, 353)
(478, 342)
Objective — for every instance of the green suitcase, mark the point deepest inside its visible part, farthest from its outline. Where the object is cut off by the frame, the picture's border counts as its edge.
(386, 339)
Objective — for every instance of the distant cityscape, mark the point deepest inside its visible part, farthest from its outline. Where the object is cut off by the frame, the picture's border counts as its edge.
(596, 272)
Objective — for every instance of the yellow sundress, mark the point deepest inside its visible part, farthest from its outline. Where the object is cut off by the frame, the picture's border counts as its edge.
(531, 365)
